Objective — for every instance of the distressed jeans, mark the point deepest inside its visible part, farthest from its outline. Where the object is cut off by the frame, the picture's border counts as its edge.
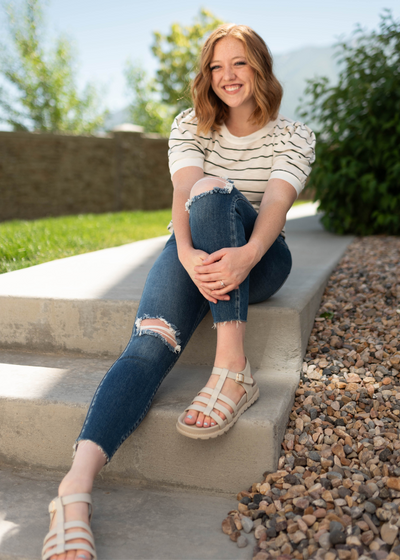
(219, 218)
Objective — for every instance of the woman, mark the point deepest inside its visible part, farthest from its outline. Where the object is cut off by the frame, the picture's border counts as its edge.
(237, 167)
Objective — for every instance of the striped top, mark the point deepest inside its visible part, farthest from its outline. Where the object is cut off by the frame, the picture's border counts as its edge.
(282, 149)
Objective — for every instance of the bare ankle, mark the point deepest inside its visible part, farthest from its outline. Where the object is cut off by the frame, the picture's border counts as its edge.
(75, 483)
(236, 364)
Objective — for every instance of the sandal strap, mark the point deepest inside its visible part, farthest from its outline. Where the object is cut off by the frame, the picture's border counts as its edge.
(213, 414)
(218, 419)
(71, 499)
(56, 540)
(72, 525)
(221, 397)
(228, 414)
(216, 392)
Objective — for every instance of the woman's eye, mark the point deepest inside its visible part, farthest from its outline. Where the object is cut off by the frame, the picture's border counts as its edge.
(214, 68)
(241, 63)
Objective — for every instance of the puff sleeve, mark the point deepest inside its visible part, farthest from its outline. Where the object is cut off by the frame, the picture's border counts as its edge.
(294, 153)
(185, 147)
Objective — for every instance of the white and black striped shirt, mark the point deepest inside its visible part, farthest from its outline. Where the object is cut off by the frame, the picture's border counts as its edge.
(282, 149)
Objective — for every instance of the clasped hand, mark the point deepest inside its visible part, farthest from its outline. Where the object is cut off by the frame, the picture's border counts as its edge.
(230, 266)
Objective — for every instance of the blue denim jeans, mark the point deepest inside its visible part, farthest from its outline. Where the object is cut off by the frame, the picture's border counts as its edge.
(219, 218)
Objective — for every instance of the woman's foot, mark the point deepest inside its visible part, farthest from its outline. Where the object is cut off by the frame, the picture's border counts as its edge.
(230, 389)
(78, 511)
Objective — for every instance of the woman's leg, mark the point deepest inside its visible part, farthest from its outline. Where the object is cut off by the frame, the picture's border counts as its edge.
(220, 216)
(125, 394)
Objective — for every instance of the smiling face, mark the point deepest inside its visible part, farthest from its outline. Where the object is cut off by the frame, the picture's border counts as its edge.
(232, 77)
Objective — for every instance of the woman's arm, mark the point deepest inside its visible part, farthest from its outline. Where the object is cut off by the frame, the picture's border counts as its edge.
(183, 181)
(278, 198)
(232, 265)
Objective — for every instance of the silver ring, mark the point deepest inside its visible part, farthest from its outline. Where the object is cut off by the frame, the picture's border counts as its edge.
(222, 284)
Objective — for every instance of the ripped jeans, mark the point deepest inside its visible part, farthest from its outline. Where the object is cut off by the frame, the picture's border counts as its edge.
(219, 218)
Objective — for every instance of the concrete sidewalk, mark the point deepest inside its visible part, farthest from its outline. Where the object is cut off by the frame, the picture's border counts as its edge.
(129, 522)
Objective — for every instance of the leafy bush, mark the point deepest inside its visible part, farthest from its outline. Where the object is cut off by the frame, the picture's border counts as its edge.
(356, 175)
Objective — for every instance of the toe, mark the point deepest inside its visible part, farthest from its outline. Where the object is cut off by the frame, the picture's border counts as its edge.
(207, 422)
(200, 420)
(191, 417)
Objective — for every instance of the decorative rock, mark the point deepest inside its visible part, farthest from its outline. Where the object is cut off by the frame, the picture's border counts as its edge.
(309, 520)
(247, 524)
(324, 541)
(297, 537)
(389, 533)
(228, 526)
(393, 483)
(265, 488)
(242, 541)
(352, 540)
(385, 454)
(314, 456)
(367, 537)
(259, 531)
(301, 503)
(337, 537)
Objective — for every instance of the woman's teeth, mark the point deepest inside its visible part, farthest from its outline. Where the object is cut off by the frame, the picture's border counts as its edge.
(232, 88)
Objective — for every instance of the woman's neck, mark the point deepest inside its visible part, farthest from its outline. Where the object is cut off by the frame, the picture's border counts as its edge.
(238, 122)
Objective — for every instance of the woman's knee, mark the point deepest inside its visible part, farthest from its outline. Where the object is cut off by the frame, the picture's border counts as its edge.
(207, 184)
(161, 329)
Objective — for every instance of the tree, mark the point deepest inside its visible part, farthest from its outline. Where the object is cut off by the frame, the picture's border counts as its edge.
(178, 53)
(156, 101)
(42, 93)
(147, 110)
(356, 175)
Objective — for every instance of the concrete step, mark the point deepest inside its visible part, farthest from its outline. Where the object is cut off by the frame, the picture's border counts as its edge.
(44, 399)
(129, 522)
(87, 303)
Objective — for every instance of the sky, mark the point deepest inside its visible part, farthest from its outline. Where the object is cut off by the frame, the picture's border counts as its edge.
(108, 32)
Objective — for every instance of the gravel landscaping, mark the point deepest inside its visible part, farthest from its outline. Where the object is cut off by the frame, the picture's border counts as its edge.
(336, 494)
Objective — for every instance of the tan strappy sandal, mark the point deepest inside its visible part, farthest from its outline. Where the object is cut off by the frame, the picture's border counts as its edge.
(222, 426)
(56, 540)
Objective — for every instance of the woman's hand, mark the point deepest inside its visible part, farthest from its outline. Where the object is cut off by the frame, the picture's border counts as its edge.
(192, 259)
(230, 266)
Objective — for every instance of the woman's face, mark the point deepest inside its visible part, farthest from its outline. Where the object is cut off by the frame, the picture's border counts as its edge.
(232, 77)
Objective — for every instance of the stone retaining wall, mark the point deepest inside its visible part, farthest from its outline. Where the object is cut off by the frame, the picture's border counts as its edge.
(56, 174)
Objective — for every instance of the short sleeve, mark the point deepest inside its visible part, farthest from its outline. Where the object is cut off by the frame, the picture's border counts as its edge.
(185, 148)
(293, 154)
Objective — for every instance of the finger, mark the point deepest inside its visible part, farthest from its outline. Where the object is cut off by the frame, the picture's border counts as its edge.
(223, 291)
(208, 277)
(211, 297)
(207, 295)
(202, 255)
(208, 268)
(217, 287)
(217, 256)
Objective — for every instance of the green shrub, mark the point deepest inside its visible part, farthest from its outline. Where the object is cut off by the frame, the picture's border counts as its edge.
(356, 175)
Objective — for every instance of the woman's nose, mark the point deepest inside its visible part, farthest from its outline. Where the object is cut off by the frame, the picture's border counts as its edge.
(229, 73)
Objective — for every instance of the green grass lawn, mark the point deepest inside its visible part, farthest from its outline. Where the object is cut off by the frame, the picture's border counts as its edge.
(25, 243)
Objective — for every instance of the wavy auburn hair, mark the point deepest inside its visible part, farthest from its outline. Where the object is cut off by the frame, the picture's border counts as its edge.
(210, 111)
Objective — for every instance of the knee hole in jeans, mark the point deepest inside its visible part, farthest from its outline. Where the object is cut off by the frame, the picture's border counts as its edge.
(207, 184)
(161, 328)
